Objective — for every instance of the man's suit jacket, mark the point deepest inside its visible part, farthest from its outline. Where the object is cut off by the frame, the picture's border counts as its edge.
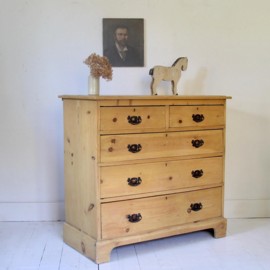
(132, 58)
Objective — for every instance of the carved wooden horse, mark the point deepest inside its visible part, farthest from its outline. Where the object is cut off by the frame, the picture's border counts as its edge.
(173, 74)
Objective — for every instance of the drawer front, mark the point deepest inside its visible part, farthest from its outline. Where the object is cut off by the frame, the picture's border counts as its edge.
(196, 116)
(160, 176)
(131, 118)
(157, 145)
(142, 215)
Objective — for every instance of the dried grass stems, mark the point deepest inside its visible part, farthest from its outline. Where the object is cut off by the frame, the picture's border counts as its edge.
(99, 66)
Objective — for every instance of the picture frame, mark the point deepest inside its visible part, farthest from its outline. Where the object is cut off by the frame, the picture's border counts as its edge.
(123, 42)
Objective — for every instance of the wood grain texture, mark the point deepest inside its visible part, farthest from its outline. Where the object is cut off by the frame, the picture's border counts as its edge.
(185, 116)
(158, 145)
(81, 144)
(111, 140)
(158, 212)
(124, 118)
(159, 176)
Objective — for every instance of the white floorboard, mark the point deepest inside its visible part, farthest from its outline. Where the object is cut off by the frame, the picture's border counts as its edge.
(39, 246)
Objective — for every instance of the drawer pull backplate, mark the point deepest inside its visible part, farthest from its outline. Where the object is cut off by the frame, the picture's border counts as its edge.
(134, 148)
(134, 181)
(134, 218)
(197, 118)
(134, 120)
(197, 143)
(195, 207)
(197, 173)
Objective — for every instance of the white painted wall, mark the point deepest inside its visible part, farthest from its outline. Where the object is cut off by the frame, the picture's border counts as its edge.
(43, 44)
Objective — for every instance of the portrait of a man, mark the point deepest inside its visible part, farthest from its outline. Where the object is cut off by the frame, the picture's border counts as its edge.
(123, 42)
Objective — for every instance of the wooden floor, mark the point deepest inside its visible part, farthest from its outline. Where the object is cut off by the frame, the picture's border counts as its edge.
(39, 246)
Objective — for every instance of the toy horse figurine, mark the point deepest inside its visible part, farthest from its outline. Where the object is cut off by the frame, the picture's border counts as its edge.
(173, 74)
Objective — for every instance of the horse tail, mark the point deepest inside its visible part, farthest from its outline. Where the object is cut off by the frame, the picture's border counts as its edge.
(151, 71)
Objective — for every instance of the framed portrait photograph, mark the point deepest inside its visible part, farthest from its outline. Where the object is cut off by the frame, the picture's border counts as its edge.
(123, 42)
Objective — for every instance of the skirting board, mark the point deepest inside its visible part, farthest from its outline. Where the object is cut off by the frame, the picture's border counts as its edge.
(247, 209)
(55, 211)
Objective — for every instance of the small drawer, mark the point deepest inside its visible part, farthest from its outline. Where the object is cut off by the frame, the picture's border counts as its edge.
(160, 176)
(160, 145)
(196, 116)
(131, 118)
(143, 215)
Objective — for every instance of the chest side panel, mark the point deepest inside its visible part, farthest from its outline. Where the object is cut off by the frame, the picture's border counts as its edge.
(80, 155)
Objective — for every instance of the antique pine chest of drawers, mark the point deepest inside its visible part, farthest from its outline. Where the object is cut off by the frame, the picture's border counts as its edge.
(139, 168)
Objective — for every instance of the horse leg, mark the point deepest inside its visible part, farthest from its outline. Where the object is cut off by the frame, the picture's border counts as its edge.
(174, 87)
(154, 87)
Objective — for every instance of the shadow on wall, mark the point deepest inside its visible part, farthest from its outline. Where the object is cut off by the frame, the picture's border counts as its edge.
(247, 185)
(247, 154)
(195, 86)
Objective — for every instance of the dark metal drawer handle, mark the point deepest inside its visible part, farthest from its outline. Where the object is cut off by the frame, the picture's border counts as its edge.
(134, 148)
(197, 173)
(134, 120)
(197, 118)
(134, 181)
(134, 218)
(197, 143)
(195, 207)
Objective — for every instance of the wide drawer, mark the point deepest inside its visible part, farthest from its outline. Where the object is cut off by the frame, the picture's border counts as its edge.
(159, 176)
(141, 215)
(131, 118)
(157, 145)
(196, 116)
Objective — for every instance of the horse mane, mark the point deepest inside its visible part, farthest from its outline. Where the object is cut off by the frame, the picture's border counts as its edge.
(175, 62)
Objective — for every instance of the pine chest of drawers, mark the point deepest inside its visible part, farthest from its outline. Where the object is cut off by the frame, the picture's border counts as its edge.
(139, 168)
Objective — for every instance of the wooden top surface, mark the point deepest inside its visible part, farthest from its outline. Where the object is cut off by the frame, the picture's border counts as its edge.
(149, 97)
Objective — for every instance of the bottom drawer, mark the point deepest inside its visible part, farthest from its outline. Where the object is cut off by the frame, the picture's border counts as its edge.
(140, 215)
